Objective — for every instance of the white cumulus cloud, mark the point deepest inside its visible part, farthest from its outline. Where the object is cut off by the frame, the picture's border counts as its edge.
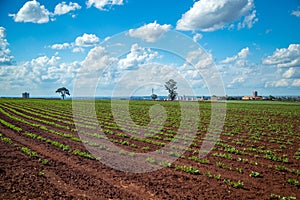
(60, 46)
(103, 4)
(197, 37)
(97, 59)
(200, 59)
(78, 50)
(87, 40)
(5, 57)
(150, 32)
(284, 57)
(296, 83)
(292, 73)
(136, 57)
(242, 55)
(40, 73)
(287, 61)
(211, 15)
(238, 71)
(277, 83)
(33, 12)
(249, 20)
(296, 13)
(79, 45)
(238, 80)
(63, 8)
(93, 66)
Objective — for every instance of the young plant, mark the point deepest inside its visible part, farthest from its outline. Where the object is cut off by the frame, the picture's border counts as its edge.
(208, 174)
(41, 173)
(239, 170)
(150, 160)
(238, 184)
(293, 182)
(29, 152)
(45, 162)
(255, 174)
(164, 164)
(187, 169)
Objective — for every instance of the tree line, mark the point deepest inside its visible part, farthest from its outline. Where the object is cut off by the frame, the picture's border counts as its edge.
(170, 86)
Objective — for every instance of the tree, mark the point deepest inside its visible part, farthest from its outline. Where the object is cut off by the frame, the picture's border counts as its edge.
(171, 87)
(154, 96)
(63, 92)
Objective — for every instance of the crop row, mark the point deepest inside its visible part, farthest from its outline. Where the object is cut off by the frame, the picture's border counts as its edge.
(226, 148)
(253, 143)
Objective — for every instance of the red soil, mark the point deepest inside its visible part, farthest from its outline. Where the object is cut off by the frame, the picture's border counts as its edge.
(72, 177)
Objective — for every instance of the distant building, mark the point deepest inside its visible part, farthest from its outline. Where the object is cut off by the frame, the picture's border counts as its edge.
(247, 98)
(260, 98)
(254, 94)
(253, 97)
(213, 98)
(201, 98)
(187, 98)
(25, 95)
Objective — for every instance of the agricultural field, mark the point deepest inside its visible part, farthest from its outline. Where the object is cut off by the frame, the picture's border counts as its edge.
(43, 156)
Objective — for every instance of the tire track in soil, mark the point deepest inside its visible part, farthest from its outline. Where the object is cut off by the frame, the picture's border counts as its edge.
(128, 189)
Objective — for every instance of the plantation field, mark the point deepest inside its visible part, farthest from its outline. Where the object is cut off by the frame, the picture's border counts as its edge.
(43, 156)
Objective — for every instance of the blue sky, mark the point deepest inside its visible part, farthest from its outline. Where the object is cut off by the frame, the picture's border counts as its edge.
(253, 44)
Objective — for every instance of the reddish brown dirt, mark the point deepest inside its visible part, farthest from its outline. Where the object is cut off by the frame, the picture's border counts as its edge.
(72, 177)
